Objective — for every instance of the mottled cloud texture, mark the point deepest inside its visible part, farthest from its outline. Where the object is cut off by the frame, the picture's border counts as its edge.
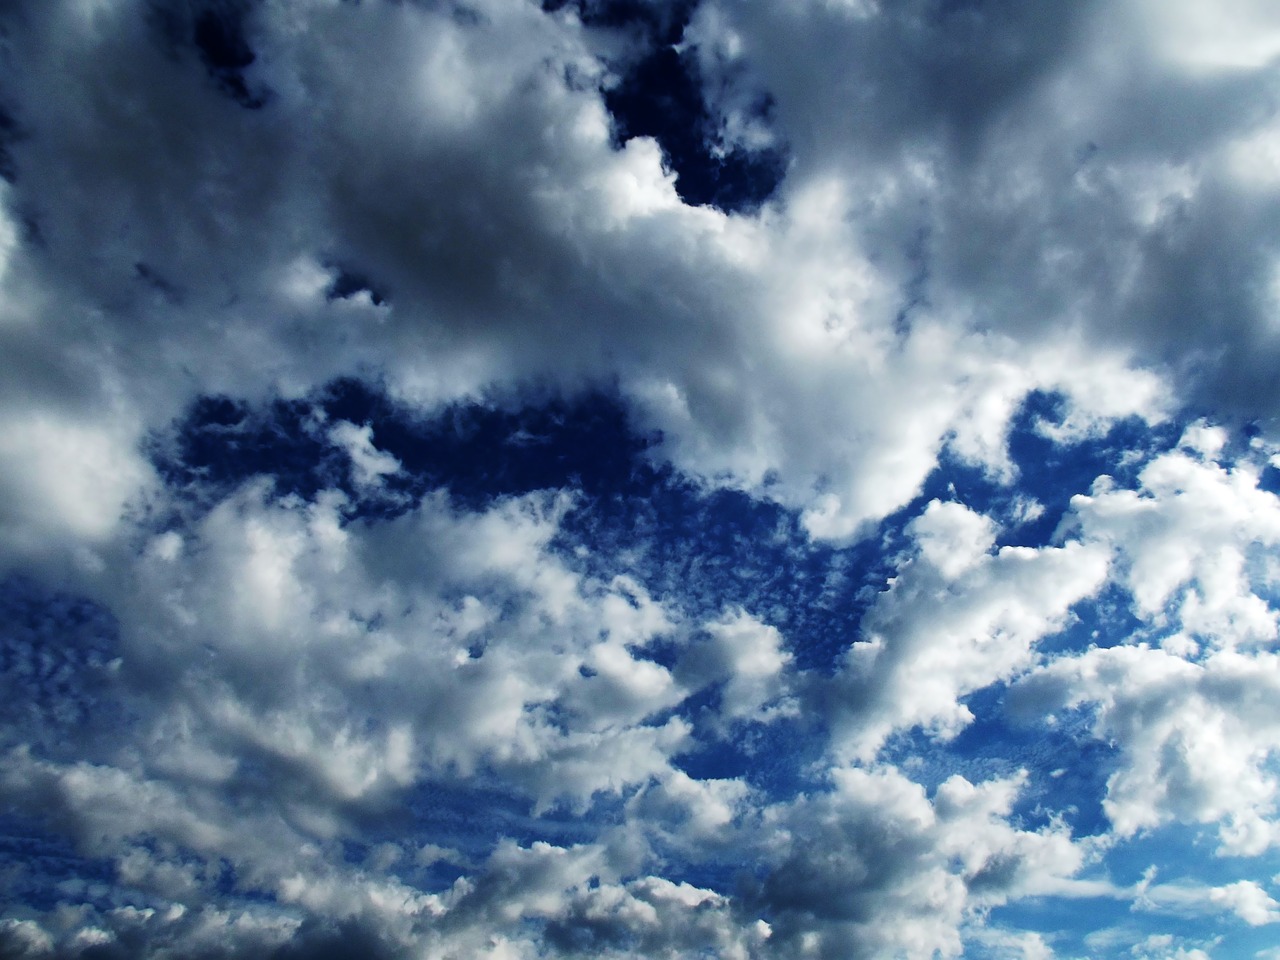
(638, 479)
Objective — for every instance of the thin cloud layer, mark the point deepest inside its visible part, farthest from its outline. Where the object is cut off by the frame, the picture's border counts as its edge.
(637, 479)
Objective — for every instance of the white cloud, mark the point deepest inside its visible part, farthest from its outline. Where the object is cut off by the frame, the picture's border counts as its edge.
(1248, 901)
(951, 537)
(748, 657)
(344, 677)
(1236, 35)
(306, 615)
(1188, 720)
(307, 619)
(1038, 129)
(1193, 737)
(1204, 439)
(979, 202)
(938, 634)
(759, 347)
(874, 868)
(1244, 898)
(692, 812)
(1192, 523)
(369, 463)
(1166, 949)
(25, 938)
(65, 483)
(1003, 943)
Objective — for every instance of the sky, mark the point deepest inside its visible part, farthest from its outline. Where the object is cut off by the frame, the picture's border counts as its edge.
(633, 479)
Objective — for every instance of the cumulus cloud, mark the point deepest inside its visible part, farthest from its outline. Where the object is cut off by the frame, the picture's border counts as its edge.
(955, 620)
(1012, 160)
(369, 464)
(1194, 738)
(874, 866)
(1186, 700)
(529, 249)
(748, 657)
(387, 711)
(1244, 898)
(303, 615)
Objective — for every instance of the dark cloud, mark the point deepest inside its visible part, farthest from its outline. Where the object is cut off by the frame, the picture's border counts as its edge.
(323, 940)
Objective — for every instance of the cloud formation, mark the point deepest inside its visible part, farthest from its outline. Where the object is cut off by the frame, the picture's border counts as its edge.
(638, 479)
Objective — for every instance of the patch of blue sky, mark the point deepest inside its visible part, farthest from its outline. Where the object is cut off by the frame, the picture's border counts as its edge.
(1185, 852)
(1103, 620)
(661, 94)
(470, 815)
(1067, 924)
(1248, 942)
(1184, 856)
(478, 451)
(1175, 854)
(57, 654)
(1269, 479)
(1110, 928)
(1260, 571)
(40, 866)
(1066, 766)
(707, 551)
(777, 758)
(1051, 470)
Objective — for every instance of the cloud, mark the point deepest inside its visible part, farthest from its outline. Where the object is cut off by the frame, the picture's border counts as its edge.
(1196, 523)
(1193, 737)
(307, 618)
(67, 483)
(749, 658)
(873, 865)
(956, 619)
(1187, 715)
(528, 253)
(1166, 945)
(318, 693)
(266, 637)
(369, 464)
(303, 615)
(1014, 164)
(1248, 901)
(951, 537)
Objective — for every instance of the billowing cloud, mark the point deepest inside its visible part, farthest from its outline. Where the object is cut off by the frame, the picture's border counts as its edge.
(585, 478)
(955, 620)
(1187, 699)
(873, 866)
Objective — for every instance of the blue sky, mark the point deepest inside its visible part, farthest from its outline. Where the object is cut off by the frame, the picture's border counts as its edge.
(615, 478)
